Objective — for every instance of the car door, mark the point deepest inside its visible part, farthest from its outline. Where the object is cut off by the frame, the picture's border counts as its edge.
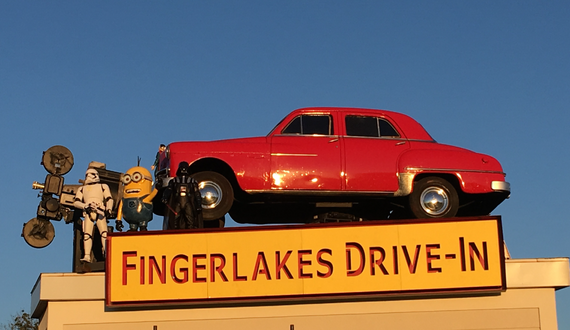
(305, 155)
(372, 146)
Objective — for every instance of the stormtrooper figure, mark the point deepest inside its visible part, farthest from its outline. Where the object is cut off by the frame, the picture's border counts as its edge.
(94, 198)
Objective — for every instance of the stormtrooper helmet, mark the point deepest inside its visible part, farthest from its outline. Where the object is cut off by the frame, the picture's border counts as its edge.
(91, 176)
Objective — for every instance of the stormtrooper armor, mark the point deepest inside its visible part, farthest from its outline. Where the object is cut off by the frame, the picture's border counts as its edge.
(94, 198)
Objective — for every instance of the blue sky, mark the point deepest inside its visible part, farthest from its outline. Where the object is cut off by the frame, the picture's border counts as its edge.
(113, 80)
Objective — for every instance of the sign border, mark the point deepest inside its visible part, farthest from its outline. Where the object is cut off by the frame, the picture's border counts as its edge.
(311, 298)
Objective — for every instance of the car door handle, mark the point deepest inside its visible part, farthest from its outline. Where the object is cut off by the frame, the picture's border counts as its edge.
(333, 140)
(401, 143)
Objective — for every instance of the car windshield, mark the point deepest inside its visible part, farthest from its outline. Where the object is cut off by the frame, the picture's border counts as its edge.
(279, 123)
(310, 125)
(313, 124)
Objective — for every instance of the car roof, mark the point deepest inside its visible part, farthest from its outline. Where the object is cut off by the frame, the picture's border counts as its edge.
(409, 126)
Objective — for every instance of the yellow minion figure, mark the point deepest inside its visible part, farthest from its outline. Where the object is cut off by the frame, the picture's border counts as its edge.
(136, 205)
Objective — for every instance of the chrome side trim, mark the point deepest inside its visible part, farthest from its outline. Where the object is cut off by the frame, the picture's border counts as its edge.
(451, 170)
(320, 192)
(295, 155)
(375, 138)
(501, 185)
(305, 135)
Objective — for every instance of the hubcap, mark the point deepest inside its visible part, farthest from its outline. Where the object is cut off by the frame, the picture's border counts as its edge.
(434, 201)
(211, 194)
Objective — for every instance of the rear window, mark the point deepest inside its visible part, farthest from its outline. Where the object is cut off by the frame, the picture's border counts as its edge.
(369, 127)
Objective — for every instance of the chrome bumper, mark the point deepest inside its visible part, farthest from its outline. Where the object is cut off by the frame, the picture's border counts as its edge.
(500, 186)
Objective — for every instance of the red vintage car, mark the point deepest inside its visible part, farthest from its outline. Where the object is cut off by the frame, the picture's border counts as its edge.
(354, 163)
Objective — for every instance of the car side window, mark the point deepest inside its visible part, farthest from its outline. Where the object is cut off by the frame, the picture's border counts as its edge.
(309, 125)
(386, 129)
(294, 127)
(369, 127)
(361, 126)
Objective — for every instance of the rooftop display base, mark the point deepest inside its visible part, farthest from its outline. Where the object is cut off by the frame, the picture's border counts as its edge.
(77, 301)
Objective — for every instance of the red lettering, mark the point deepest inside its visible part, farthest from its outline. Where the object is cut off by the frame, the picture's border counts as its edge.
(264, 270)
(430, 257)
(349, 270)
(127, 266)
(396, 265)
(235, 270)
(196, 267)
(462, 253)
(183, 270)
(282, 264)
(482, 258)
(142, 263)
(412, 265)
(377, 262)
(324, 262)
(161, 272)
(217, 269)
(303, 263)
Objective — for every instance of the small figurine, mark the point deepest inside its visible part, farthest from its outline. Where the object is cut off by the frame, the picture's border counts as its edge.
(183, 198)
(94, 198)
(155, 166)
(136, 204)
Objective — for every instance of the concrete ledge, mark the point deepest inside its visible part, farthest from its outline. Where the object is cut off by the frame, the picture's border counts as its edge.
(52, 287)
(66, 287)
(538, 273)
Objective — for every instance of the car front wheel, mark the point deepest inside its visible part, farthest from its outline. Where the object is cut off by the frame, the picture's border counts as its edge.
(217, 194)
(434, 197)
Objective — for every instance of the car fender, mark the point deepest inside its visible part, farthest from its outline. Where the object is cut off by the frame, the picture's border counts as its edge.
(474, 171)
(246, 159)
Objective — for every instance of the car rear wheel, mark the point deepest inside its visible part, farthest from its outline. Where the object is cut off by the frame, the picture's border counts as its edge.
(434, 197)
(217, 194)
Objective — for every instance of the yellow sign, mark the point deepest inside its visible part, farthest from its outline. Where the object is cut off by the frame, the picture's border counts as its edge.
(305, 261)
